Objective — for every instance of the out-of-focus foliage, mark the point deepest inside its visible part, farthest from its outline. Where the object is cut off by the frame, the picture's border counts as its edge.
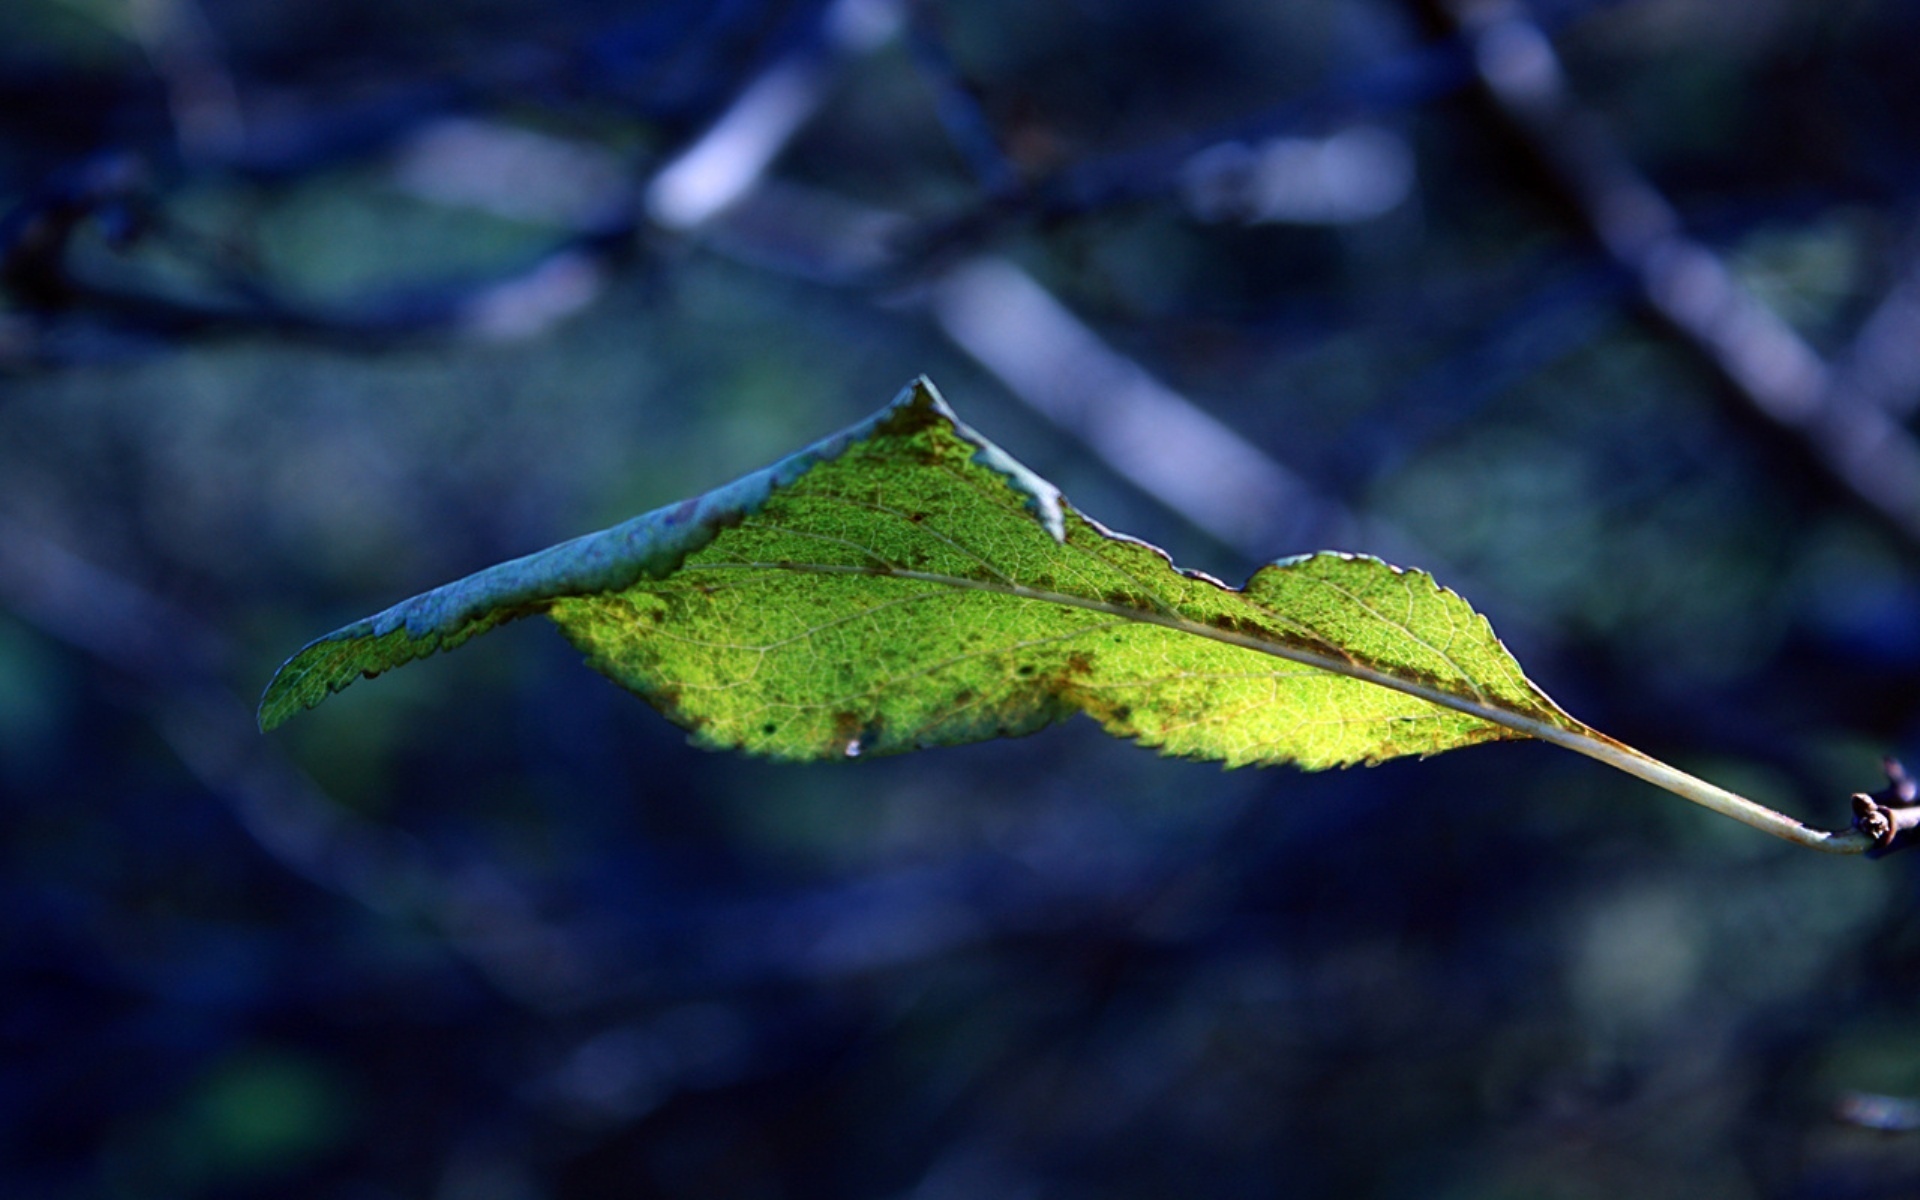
(355, 297)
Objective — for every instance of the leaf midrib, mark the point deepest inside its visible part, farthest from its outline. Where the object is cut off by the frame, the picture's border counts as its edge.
(1572, 736)
(1519, 722)
(1578, 738)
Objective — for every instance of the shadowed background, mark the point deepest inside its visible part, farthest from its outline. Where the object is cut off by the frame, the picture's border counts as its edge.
(1606, 313)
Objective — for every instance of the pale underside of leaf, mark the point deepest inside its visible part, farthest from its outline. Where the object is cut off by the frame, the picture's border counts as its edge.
(906, 584)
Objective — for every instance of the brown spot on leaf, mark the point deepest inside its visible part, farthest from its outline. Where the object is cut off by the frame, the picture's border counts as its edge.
(1235, 623)
(1116, 717)
(853, 737)
(846, 731)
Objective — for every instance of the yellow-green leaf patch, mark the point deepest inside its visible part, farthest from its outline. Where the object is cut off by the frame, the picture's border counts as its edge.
(907, 584)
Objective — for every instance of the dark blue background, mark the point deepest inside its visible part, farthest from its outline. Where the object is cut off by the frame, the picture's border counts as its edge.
(282, 341)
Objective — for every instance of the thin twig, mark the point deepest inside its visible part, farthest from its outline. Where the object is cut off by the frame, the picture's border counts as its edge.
(966, 122)
(1770, 366)
(173, 663)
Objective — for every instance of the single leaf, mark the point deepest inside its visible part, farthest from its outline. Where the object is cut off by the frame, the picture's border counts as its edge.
(905, 583)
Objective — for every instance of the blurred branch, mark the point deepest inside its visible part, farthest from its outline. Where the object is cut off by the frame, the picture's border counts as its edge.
(1159, 170)
(1152, 436)
(1870, 1110)
(1882, 366)
(733, 155)
(200, 94)
(1770, 366)
(966, 123)
(36, 236)
(39, 265)
(173, 663)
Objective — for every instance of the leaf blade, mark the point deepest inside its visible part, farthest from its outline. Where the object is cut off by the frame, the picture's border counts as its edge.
(907, 584)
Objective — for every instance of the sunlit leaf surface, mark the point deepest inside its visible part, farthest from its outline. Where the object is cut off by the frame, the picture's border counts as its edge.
(905, 583)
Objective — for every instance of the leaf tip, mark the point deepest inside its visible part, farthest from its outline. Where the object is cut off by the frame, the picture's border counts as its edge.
(271, 718)
(1042, 498)
(328, 664)
(295, 687)
(276, 704)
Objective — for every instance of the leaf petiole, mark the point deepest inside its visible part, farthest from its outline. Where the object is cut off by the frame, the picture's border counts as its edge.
(1718, 799)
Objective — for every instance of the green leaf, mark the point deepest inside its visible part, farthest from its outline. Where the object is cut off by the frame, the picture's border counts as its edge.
(905, 583)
